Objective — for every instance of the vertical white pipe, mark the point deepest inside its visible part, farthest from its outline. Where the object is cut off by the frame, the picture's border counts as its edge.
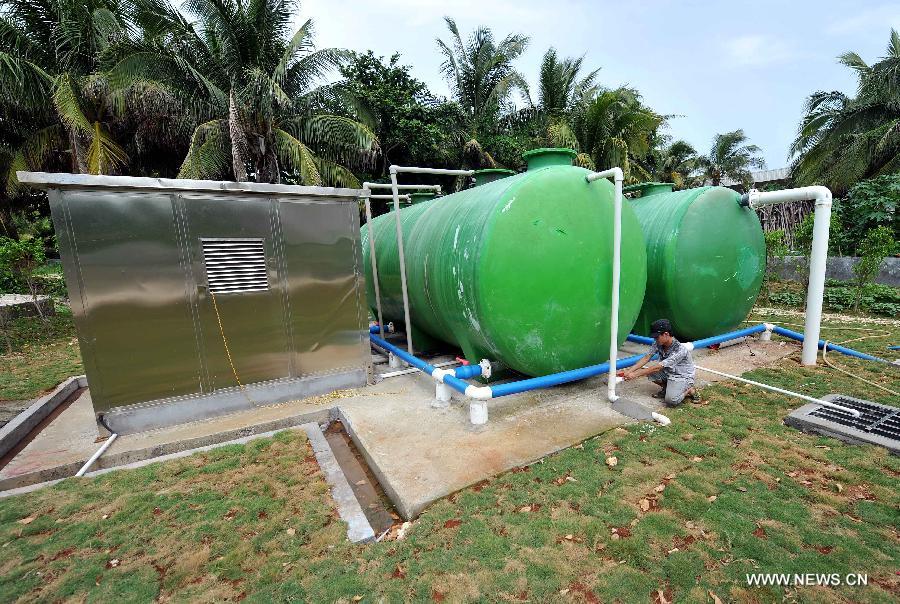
(815, 292)
(818, 256)
(616, 270)
(617, 175)
(374, 265)
(394, 192)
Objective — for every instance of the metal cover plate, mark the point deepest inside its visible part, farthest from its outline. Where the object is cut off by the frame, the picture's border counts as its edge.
(877, 425)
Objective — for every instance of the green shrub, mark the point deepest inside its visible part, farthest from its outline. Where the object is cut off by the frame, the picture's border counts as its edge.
(875, 246)
(786, 298)
(888, 309)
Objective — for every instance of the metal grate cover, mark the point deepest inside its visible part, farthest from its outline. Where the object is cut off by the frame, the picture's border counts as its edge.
(877, 424)
(235, 265)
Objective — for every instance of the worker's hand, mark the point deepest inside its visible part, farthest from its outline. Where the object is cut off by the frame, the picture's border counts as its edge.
(627, 375)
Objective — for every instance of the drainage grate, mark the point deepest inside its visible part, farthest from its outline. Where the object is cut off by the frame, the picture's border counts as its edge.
(877, 424)
(235, 265)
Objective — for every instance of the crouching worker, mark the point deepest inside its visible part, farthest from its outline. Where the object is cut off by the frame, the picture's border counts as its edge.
(674, 372)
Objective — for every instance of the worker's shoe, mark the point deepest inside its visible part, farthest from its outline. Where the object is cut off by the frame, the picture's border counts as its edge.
(694, 396)
(661, 394)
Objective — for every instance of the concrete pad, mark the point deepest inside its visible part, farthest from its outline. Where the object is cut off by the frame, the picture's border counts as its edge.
(421, 454)
(69, 441)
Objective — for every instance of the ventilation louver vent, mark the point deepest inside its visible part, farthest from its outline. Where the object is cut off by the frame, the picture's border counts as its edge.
(235, 265)
(877, 424)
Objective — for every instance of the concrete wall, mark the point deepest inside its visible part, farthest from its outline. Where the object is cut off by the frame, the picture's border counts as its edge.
(793, 268)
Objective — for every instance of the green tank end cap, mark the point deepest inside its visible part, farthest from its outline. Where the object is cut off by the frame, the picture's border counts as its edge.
(544, 157)
(650, 188)
(420, 196)
(482, 177)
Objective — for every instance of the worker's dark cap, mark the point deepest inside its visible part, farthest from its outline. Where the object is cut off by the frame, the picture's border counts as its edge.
(660, 326)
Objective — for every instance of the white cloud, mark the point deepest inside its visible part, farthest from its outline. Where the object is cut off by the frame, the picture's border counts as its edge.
(878, 18)
(754, 50)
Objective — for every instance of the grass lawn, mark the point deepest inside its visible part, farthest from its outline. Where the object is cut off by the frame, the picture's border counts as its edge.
(43, 355)
(683, 516)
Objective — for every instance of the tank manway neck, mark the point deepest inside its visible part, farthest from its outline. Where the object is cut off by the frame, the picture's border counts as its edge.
(542, 158)
(650, 188)
(483, 177)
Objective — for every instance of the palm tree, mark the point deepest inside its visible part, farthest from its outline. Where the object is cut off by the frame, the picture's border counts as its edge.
(49, 51)
(730, 157)
(481, 76)
(844, 139)
(560, 92)
(254, 85)
(673, 161)
(614, 128)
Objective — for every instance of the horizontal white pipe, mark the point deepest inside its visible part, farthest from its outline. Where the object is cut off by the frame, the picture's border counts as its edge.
(387, 185)
(96, 456)
(614, 173)
(412, 370)
(821, 195)
(417, 170)
(401, 197)
(817, 401)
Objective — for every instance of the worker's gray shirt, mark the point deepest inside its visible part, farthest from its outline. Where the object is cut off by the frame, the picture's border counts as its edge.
(676, 360)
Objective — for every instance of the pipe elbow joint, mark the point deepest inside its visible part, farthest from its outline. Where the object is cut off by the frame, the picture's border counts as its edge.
(392, 169)
(440, 374)
(480, 393)
(821, 195)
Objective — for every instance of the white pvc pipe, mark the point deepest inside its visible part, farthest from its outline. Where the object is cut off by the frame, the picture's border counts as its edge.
(96, 456)
(417, 170)
(394, 192)
(394, 170)
(817, 401)
(374, 264)
(617, 176)
(387, 185)
(818, 257)
(403, 197)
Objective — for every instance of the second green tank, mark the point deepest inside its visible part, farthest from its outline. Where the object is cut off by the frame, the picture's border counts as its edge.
(516, 270)
(706, 258)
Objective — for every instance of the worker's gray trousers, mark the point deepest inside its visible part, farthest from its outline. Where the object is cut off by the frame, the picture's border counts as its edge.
(676, 388)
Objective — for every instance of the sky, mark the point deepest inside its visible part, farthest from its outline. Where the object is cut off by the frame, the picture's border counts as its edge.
(716, 65)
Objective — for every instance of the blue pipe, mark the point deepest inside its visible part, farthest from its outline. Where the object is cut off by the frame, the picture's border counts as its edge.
(555, 379)
(467, 371)
(834, 347)
(711, 341)
(399, 352)
(374, 328)
(464, 372)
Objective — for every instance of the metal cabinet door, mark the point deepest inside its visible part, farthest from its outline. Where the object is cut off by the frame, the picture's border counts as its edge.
(325, 288)
(125, 266)
(228, 231)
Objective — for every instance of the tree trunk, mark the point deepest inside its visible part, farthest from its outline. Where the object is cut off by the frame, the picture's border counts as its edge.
(238, 142)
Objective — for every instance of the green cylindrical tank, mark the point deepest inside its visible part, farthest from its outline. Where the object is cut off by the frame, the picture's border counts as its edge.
(706, 258)
(517, 270)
